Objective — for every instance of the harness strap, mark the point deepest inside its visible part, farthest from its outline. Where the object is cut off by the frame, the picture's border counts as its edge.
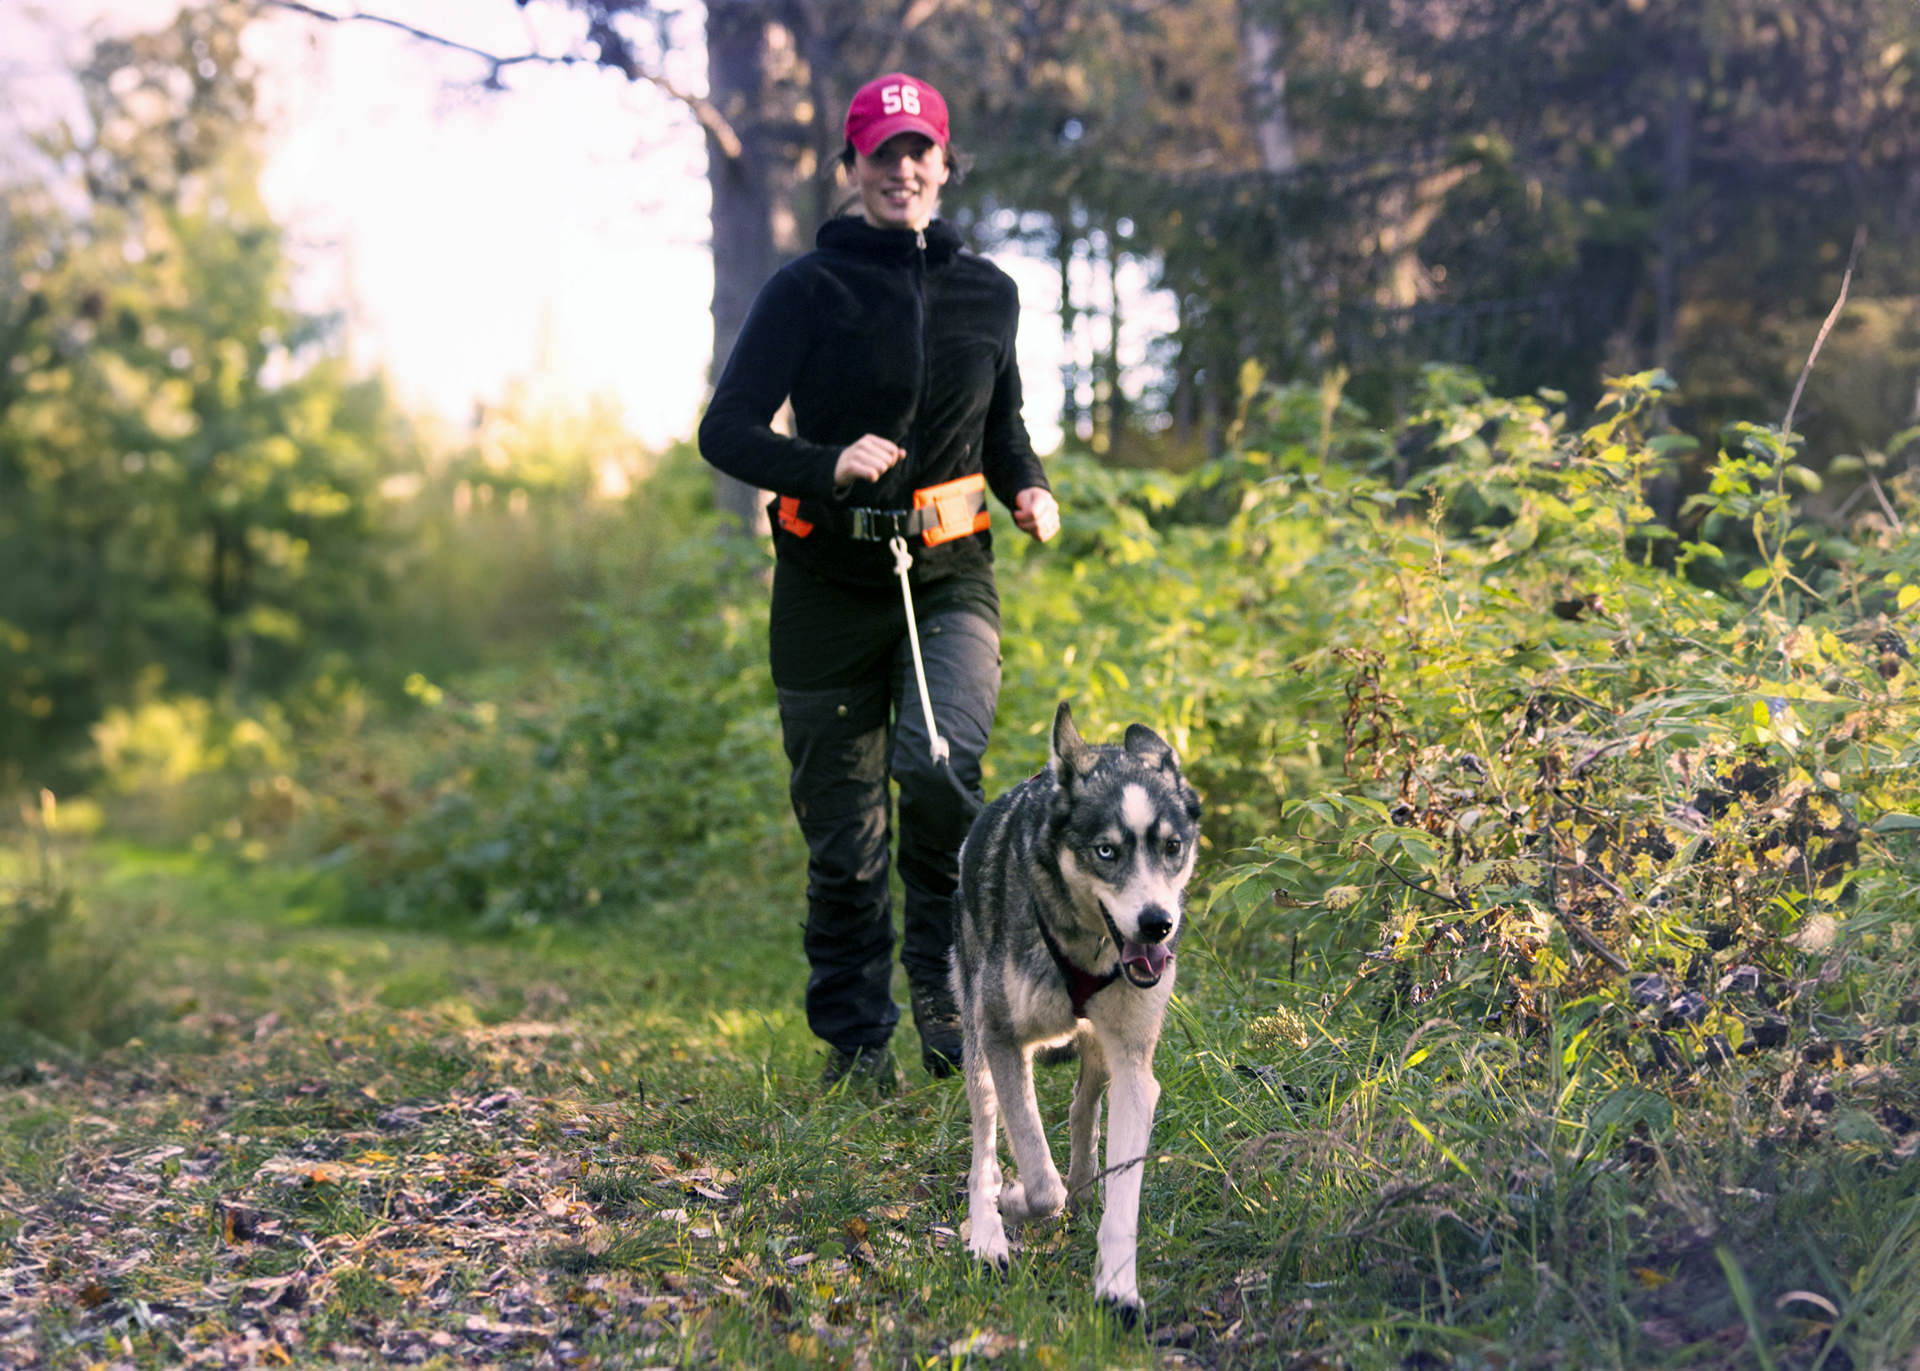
(1082, 985)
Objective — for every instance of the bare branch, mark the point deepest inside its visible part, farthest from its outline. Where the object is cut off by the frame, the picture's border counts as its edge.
(1592, 941)
(617, 57)
(913, 14)
(1886, 506)
(1846, 280)
(495, 62)
(1464, 906)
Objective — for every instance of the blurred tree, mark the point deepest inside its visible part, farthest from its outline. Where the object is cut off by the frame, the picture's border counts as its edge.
(185, 464)
(1541, 190)
(1547, 190)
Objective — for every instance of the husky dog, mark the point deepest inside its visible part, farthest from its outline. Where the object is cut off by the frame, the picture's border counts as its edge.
(1066, 919)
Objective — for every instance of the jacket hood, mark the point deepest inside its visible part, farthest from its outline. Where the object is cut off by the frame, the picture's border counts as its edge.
(851, 233)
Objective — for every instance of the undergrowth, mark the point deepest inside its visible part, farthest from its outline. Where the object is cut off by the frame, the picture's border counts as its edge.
(1549, 994)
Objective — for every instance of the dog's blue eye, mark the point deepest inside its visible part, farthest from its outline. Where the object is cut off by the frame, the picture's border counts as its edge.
(1106, 852)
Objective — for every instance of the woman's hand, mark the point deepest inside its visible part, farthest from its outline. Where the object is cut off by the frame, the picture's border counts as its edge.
(1037, 513)
(866, 459)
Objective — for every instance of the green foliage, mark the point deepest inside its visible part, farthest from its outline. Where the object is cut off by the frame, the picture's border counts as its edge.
(215, 539)
(186, 467)
(1469, 733)
(639, 768)
(1559, 763)
(486, 540)
(1547, 996)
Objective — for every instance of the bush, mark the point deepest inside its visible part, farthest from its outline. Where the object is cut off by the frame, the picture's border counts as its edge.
(643, 765)
(63, 986)
(1557, 770)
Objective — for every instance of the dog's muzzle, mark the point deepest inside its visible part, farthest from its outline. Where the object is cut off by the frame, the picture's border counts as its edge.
(1143, 963)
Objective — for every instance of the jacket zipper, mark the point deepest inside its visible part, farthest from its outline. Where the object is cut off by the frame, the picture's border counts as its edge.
(926, 350)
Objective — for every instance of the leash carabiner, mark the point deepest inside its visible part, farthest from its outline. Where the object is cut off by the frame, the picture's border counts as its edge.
(902, 563)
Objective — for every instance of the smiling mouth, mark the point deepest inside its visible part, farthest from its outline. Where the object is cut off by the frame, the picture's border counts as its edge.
(1143, 964)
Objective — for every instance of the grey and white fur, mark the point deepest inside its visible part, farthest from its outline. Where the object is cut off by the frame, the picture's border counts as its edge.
(1093, 856)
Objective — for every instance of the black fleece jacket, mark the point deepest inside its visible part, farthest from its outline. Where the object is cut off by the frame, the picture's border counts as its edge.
(877, 331)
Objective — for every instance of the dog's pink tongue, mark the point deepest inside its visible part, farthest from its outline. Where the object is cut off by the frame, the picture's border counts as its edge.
(1148, 958)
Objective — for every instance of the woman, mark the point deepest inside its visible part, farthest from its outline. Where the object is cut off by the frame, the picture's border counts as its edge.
(896, 350)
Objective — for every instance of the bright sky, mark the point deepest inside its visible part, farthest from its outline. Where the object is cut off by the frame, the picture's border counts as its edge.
(468, 233)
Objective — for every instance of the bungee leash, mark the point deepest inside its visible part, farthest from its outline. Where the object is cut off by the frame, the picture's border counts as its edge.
(902, 564)
(937, 745)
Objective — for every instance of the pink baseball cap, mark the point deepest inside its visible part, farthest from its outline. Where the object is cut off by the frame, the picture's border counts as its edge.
(895, 103)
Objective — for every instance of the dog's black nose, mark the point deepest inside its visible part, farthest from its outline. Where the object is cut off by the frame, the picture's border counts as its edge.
(1154, 925)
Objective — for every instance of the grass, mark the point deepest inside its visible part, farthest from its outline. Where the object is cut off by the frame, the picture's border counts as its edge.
(608, 1146)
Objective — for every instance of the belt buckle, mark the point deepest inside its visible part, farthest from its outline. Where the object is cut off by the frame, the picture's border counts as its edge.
(873, 525)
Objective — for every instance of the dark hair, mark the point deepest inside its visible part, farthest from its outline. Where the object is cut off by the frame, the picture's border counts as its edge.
(957, 161)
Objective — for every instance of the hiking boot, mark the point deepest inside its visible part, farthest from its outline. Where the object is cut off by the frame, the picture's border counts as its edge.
(868, 1068)
(938, 1020)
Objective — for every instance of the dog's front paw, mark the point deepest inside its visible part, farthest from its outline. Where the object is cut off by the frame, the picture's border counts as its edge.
(1126, 1313)
(1019, 1204)
(1115, 1286)
(988, 1244)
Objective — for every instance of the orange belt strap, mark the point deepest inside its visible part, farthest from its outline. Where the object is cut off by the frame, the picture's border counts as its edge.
(790, 518)
(961, 507)
(940, 514)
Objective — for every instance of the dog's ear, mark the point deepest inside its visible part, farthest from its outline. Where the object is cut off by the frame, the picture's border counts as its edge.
(1152, 749)
(1071, 758)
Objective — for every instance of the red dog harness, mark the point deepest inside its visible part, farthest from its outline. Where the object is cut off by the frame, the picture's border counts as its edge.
(1082, 984)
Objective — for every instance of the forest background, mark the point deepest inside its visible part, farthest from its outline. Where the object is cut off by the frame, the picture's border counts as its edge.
(1510, 531)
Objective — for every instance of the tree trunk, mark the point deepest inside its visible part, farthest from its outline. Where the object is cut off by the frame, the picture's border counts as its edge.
(1183, 406)
(1069, 352)
(744, 253)
(222, 594)
(1116, 407)
(1263, 83)
(1676, 175)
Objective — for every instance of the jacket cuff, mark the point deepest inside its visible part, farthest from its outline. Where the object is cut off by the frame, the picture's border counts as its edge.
(815, 470)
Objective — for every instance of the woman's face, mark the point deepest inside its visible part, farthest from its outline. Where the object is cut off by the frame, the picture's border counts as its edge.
(900, 181)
